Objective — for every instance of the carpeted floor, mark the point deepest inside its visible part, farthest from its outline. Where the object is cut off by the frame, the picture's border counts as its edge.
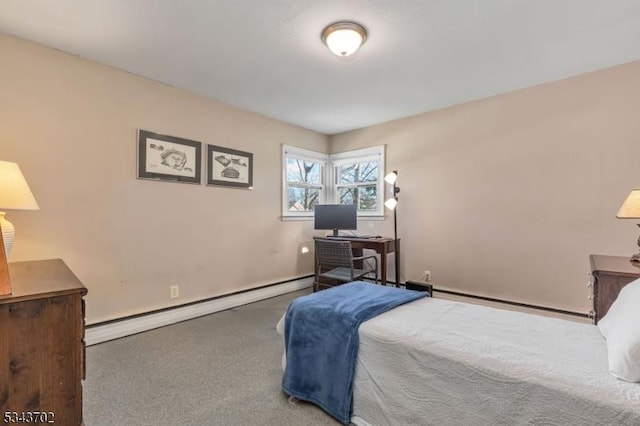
(221, 369)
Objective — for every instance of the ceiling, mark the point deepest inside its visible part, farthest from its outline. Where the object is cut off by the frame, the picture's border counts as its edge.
(266, 56)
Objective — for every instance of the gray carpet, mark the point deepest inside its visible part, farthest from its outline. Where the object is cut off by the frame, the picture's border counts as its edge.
(221, 369)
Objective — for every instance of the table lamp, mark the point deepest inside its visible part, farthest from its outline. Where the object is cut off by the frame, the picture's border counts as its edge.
(630, 209)
(14, 195)
(5, 281)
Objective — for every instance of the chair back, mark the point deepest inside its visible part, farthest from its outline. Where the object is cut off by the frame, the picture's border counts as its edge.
(334, 253)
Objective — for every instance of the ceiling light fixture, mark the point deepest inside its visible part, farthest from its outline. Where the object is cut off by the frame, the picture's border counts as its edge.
(344, 38)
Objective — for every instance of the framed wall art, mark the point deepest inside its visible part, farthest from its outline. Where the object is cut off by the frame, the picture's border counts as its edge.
(229, 167)
(168, 158)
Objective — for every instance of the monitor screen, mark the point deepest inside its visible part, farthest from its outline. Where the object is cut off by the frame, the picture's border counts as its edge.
(336, 217)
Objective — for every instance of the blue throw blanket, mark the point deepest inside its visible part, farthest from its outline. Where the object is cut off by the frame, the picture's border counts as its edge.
(321, 341)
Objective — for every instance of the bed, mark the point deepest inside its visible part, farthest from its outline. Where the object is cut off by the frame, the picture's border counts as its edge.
(439, 362)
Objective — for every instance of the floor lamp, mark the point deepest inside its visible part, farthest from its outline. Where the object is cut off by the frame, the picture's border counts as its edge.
(391, 204)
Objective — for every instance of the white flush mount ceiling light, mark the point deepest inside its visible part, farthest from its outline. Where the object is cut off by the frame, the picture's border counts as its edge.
(344, 38)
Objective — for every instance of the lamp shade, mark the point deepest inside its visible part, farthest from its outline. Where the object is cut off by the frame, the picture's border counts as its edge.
(14, 195)
(391, 203)
(14, 191)
(630, 209)
(391, 177)
(344, 38)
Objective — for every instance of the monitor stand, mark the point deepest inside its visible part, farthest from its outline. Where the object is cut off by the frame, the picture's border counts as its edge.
(335, 233)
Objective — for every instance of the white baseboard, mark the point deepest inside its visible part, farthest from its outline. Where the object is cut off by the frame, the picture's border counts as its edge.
(127, 327)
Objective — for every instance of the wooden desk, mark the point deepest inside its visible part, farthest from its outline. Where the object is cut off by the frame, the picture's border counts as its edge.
(609, 275)
(42, 354)
(383, 246)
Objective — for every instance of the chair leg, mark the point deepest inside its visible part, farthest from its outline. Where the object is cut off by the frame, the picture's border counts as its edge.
(375, 279)
(376, 270)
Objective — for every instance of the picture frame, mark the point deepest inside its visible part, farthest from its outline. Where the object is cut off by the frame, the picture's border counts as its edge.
(229, 167)
(169, 158)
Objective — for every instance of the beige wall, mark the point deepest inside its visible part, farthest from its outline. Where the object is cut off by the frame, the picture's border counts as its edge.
(71, 126)
(504, 197)
(507, 196)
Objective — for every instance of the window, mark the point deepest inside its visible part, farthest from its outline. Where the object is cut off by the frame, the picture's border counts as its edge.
(303, 181)
(354, 177)
(359, 179)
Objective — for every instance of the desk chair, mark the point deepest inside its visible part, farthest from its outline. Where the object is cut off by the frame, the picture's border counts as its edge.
(335, 261)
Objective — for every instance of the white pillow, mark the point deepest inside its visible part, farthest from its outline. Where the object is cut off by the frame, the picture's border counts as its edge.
(621, 327)
(625, 298)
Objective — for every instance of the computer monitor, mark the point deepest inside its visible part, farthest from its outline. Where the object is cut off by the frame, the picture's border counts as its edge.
(336, 217)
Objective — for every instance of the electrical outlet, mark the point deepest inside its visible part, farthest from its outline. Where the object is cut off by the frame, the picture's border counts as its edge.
(174, 291)
(427, 275)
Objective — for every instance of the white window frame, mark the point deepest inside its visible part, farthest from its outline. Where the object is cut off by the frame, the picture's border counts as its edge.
(305, 155)
(375, 153)
(328, 175)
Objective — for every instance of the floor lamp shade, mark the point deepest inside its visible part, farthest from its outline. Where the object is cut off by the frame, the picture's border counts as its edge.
(15, 194)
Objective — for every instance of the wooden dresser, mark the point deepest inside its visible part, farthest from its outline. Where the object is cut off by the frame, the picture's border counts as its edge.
(609, 274)
(42, 344)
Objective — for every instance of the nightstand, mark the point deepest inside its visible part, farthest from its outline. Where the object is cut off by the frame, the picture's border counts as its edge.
(608, 275)
(42, 350)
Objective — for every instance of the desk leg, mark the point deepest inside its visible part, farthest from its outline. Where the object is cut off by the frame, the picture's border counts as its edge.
(396, 254)
(383, 266)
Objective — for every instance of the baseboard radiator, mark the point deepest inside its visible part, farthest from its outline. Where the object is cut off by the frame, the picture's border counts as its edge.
(103, 332)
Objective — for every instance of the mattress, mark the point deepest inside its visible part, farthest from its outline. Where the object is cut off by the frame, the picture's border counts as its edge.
(438, 362)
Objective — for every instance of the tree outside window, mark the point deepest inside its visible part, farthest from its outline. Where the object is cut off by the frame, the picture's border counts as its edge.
(304, 182)
(358, 184)
(311, 178)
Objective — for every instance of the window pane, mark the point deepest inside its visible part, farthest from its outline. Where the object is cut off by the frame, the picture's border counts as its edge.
(300, 171)
(347, 174)
(348, 195)
(368, 197)
(358, 172)
(303, 199)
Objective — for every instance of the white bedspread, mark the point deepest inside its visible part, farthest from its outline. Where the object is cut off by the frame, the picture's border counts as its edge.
(437, 362)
